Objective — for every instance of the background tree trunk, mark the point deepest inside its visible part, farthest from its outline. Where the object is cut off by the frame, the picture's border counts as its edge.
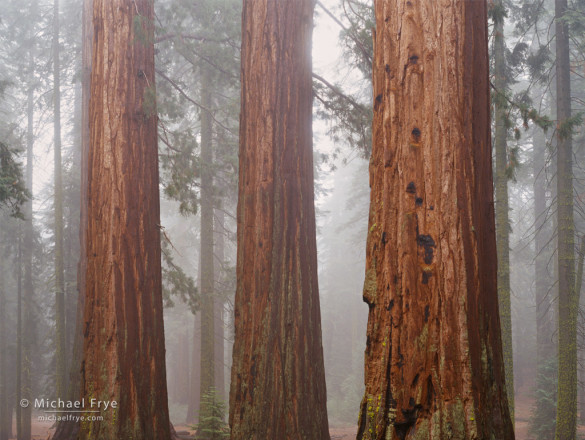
(61, 386)
(195, 381)
(26, 282)
(218, 305)
(502, 208)
(278, 380)
(434, 365)
(207, 371)
(544, 325)
(5, 401)
(124, 353)
(68, 430)
(566, 426)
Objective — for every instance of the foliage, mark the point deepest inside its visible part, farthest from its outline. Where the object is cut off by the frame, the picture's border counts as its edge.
(349, 116)
(542, 419)
(179, 165)
(191, 37)
(175, 281)
(353, 121)
(13, 192)
(357, 37)
(566, 129)
(212, 425)
(497, 12)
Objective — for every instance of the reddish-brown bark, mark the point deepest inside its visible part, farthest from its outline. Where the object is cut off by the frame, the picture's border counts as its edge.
(124, 353)
(278, 382)
(434, 367)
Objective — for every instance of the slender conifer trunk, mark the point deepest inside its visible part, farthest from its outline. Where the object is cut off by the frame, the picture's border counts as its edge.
(566, 426)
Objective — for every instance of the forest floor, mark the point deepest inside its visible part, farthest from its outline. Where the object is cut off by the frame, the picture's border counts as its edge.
(524, 402)
(40, 430)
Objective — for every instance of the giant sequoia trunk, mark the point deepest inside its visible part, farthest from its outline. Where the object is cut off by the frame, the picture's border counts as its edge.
(278, 381)
(124, 353)
(566, 427)
(434, 365)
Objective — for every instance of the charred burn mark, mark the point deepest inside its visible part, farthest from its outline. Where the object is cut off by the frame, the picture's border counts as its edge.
(410, 417)
(426, 276)
(400, 362)
(391, 403)
(411, 188)
(378, 101)
(369, 303)
(362, 420)
(384, 239)
(430, 391)
(427, 313)
(418, 201)
(432, 207)
(390, 305)
(415, 381)
(413, 59)
(387, 68)
(416, 134)
(427, 243)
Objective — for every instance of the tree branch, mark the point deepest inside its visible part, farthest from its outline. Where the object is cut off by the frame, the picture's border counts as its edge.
(338, 92)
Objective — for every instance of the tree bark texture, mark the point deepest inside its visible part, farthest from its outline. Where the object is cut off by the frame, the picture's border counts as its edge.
(502, 206)
(566, 425)
(433, 364)
(278, 380)
(124, 352)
